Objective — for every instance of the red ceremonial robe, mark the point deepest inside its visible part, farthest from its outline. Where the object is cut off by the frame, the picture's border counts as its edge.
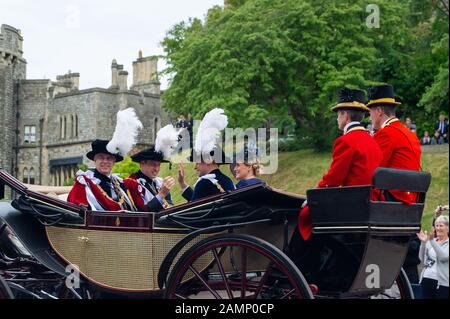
(87, 192)
(355, 157)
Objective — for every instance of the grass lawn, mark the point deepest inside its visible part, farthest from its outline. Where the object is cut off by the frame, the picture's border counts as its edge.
(301, 170)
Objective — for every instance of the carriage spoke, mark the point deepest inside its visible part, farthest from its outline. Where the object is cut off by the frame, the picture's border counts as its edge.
(199, 276)
(222, 273)
(288, 294)
(244, 271)
(263, 280)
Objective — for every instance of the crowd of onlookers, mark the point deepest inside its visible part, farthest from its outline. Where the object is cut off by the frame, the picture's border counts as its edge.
(439, 136)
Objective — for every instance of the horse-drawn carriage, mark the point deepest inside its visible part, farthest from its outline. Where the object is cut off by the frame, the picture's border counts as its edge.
(240, 244)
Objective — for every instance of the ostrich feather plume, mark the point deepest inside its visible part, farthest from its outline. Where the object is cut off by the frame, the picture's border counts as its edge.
(166, 140)
(126, 132)
(209, 130)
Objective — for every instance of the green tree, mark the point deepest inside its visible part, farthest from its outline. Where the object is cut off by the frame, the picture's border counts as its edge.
(125, 167)
(264, 61)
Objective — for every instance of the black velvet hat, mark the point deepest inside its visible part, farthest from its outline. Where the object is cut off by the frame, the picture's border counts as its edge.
(149, 154)
(351, 99)
(381, 95)
(99, 147)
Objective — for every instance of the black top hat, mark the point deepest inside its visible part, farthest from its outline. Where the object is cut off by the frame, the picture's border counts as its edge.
(381, 95)
(209, 157)
(99, 147)
(149, 154)
(351, 99)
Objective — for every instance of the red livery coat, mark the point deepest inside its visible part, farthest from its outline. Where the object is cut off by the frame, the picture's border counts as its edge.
(401, 150)
(355, 157)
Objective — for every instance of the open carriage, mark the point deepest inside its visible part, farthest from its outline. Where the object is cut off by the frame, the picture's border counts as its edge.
(240, 244)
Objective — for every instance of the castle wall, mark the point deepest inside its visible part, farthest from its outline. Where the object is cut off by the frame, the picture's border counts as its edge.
(12, 68)
(7, 118)
(32, 95)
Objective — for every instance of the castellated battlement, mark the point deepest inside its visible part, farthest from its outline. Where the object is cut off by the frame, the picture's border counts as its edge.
(10, 44)
(64, 84)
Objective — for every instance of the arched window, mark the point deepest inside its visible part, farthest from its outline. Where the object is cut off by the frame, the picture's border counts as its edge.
(76, 125)
(64, 127)
(72, 126)
(25, 175)
(31, 175)
(60, 127)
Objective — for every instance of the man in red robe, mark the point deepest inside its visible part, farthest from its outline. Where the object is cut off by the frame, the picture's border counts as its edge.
(355, 154)
(153, 190)
(98, 189)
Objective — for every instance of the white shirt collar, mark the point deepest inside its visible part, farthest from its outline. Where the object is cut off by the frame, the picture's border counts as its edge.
(350, 124)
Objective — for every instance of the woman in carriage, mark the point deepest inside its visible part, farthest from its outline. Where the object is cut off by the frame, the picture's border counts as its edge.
(246, 167)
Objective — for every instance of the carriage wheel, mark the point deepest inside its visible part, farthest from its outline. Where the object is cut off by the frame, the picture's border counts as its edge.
(5, 292)
(401, 289)
(242, 266)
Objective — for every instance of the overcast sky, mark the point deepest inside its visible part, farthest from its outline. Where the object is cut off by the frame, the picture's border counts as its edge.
(86, 35)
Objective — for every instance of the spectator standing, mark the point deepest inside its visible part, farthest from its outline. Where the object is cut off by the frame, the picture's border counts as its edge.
(434, 255)
(181, 122)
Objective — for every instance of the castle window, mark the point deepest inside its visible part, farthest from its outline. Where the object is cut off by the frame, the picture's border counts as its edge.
(72, 126)
(62, 127)
(31, 176)
(25, 175)
(29, 134)
(76, 125)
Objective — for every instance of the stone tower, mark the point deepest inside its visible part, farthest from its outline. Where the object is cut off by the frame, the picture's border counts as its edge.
(12, 70)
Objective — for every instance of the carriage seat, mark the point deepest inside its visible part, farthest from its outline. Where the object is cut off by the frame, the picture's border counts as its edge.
(360, 231)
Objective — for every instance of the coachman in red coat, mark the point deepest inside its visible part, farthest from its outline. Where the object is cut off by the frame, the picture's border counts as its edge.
(355, 154)
(400, 147)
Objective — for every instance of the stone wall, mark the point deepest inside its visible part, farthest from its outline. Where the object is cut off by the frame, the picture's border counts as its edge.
(7, 118)
(32, 109)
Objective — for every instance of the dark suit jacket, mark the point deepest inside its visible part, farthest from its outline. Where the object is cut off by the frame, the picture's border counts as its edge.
(205, 188)
(444, 131)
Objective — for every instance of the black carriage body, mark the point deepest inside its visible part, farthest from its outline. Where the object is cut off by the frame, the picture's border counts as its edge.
(371, 232)
(376, 234)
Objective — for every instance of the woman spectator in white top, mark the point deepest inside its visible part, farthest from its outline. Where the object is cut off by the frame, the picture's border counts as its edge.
(434, 255)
